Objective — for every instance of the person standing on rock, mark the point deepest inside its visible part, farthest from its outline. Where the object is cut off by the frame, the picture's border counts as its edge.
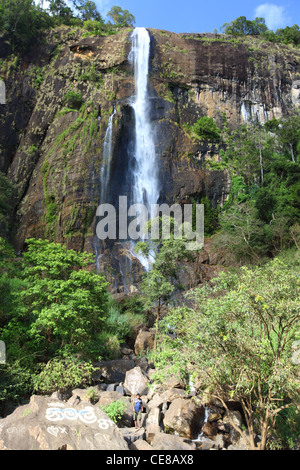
(137, 406)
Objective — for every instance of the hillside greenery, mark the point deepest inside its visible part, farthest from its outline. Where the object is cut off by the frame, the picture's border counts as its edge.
(55, 315)
(257, 27)
(23, 21)
(236, 342)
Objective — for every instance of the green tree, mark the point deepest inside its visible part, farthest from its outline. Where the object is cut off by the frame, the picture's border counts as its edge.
(62, 374)
(115, 410)
(165, 255)
(22, 21)
(237, 340)
(289, 136)
(120, 17)
(288, 35)
(242, 237)
(245, 151)
(88, 11)
(61, 11)
(241, 27)
(62, 307)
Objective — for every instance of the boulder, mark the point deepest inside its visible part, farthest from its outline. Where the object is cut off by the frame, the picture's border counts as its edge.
(136, 382)
(151, 430)
(81, 394)
(209, 429)
(91, 394)
(154, 417)
(220, 441)
(155, 388)
(156, 402)
(173, 381)
(132, 434)
(205, 443)
(172, 393)
(120, 389)
(215, 414)
(140, 445)
(144, 342)
(111, 387)
(164, 441)
(110, 396)
(46, 425)
(113, 371)
(184, 417)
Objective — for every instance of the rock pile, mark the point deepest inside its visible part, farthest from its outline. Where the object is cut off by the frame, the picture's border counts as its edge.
(172, 419)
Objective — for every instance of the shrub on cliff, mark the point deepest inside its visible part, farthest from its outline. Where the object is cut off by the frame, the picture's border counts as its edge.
(206, 129)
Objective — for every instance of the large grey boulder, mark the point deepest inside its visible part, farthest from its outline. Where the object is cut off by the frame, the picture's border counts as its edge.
(162, 441)
(140, 444)
(132, 434)
(185, 417)
(144, 342)
(44, 424)
(136, 382)
(113, 371)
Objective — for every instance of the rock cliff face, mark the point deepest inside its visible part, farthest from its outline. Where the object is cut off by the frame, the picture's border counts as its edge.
(52, 145)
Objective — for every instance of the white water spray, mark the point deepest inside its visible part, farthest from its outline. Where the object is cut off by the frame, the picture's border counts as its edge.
(145, 173)
(105, 172)
(106, 159)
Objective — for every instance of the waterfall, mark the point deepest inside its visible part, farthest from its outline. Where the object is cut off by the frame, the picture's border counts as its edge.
(139, 182)
(106, 159)
(105, 171)
(145, 189)
(145, 173)
(206, 416)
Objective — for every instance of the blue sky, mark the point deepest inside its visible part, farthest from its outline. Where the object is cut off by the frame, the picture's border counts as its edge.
(204, 15)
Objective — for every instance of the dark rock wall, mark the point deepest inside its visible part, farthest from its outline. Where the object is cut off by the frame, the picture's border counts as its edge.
(53, 154)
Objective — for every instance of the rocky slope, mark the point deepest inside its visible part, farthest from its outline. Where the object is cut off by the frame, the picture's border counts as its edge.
(52, 148)
(173, 418)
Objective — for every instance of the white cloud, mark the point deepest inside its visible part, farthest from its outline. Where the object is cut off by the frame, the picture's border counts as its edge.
(104, 6)
(275, 16)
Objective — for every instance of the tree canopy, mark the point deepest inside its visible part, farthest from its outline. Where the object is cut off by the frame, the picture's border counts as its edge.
(236, 341)
(257, 27)
(121, 17)
(242, 26)
(24, 20)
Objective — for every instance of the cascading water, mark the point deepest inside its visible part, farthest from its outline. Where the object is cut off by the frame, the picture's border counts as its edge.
(106, 159)
(206, 416)
(145, 188)
(136, 175)
(105, 172)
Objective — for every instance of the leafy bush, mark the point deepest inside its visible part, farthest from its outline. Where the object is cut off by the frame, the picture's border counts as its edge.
(73, 100)
(115, 410)
(107, 345)
(206, 129)
(62, 374)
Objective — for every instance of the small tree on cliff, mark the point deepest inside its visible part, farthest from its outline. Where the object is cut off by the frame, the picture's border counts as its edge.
(162, 279)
